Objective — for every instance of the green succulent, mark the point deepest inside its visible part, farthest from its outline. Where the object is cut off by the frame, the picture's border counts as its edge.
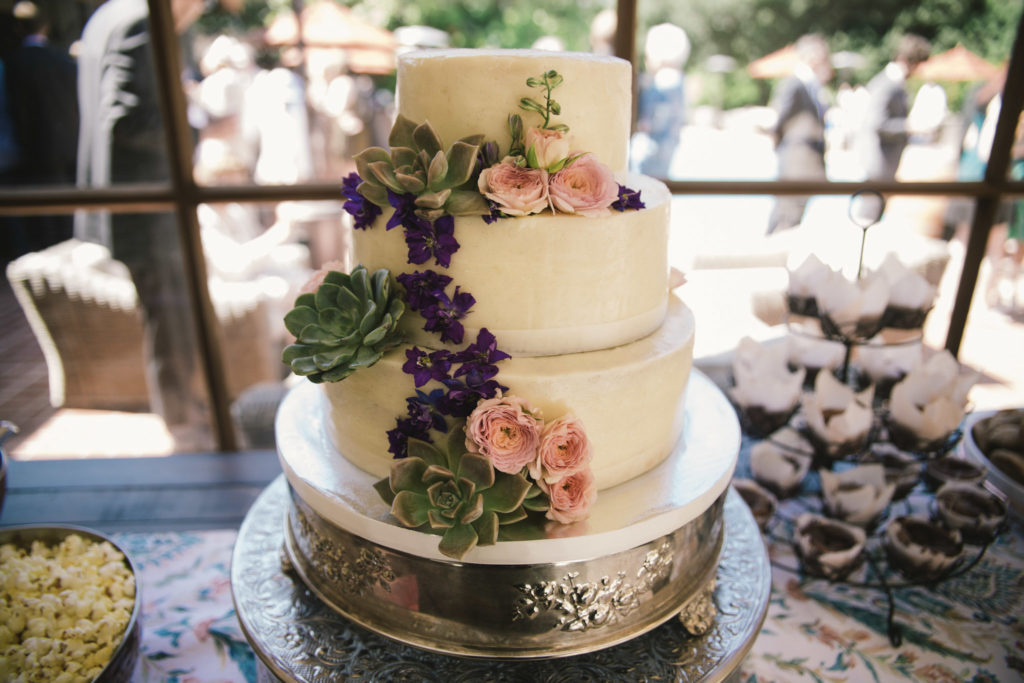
(347, 324)
(417, 164)
(458, 495)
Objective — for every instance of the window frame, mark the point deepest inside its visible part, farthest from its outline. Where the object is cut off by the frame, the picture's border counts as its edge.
(182, 194)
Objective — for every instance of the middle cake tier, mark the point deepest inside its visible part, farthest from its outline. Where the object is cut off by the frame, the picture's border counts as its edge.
(548, 284)
(629, 398)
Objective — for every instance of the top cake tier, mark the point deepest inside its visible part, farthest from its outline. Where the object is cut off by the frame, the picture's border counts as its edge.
(466, 92)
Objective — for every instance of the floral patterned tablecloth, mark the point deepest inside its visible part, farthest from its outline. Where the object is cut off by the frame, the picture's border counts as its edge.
(969, 628)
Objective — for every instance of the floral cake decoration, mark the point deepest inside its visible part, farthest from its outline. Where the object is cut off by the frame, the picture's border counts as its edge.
(470, 460)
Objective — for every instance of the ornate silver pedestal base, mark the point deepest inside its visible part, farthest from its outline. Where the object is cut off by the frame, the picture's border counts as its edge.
(298, 638)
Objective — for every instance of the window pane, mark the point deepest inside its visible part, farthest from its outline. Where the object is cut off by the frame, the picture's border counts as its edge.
(109, 327)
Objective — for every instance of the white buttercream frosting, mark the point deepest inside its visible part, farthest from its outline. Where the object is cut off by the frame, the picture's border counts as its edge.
(629, 399)
(548, 284)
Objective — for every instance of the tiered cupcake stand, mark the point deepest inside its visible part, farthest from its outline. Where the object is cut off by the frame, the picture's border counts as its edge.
(299, 633)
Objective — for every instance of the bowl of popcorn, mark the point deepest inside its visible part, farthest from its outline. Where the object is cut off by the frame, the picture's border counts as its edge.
(69, 608)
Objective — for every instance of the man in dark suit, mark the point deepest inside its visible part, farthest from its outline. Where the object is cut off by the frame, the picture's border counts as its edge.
(40, 80)
(883, 135)
(799, 104)
(122, 141)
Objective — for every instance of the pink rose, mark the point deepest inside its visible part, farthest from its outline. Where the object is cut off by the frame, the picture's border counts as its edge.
(564, 450)
(318, 276)
(518, 191)
(586, 186)
(545, 148)
(504, 430)
(571, 497)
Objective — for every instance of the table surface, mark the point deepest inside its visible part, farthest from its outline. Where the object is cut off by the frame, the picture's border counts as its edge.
(179, 516)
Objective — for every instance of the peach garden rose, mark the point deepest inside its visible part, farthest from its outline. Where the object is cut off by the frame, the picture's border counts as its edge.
(564, 449)
(586, 186)
(517, 190)
(506, 431)
(571, 497)
(545, 147)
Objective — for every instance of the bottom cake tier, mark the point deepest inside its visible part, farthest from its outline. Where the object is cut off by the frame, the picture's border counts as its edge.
(650, 547)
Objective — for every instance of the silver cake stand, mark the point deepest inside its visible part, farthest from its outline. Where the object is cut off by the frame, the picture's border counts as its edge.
(297, 637)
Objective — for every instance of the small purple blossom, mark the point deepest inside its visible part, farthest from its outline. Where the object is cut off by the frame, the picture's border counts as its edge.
(464, 394)
(426, 240)
(444, 314)
(423, 288)
(363, 211)
(495, 213)
(425, 367)
(628, 199)
(483, 351)
(405, 212)
(422, 417)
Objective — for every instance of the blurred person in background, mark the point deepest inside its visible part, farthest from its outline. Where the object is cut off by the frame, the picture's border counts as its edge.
(799, 103)
(122, 141)
(884, 133)
(661, 104)
(40, 81)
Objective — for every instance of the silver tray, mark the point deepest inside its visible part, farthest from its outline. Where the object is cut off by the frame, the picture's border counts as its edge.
(297, 637)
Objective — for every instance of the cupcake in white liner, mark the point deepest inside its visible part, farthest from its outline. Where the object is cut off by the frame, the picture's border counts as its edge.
(858, 495)
(814, 354)
(951, 469)
(852, 310)
(911, 296)
(902, 470)
(977, 513)
(839, 419)
(921, 549)
(928, 405)
(781, 462)
(828, 548)
(804, 283)
(762, 502)
(765, 389)
(886, 364)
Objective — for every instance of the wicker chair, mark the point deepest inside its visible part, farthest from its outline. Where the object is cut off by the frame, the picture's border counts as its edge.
(83, 309)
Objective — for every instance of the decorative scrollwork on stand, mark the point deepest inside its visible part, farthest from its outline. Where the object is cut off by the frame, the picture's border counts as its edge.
(359, 571)
(584, 605)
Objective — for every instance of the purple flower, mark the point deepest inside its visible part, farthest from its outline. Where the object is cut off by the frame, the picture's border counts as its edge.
(464, 394)
(495, 213)
(422, 288)
(422, 417)
(363, 211)
(426, 240)
(424, 367)
(444, 240)
(405, 212)
(444, 314)
(628, 199)
(483, 351)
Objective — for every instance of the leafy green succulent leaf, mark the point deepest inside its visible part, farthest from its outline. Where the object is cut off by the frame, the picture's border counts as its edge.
(410, 509)
(458, 540)
(348, 323)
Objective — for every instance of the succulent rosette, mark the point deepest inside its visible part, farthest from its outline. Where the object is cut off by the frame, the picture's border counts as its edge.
(505, 429)
(348, 323)
(456, 494)
(418, 165)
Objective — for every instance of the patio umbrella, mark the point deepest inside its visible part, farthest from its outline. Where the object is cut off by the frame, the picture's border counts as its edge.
(775, 64)
(956, 64)
(368, 48)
